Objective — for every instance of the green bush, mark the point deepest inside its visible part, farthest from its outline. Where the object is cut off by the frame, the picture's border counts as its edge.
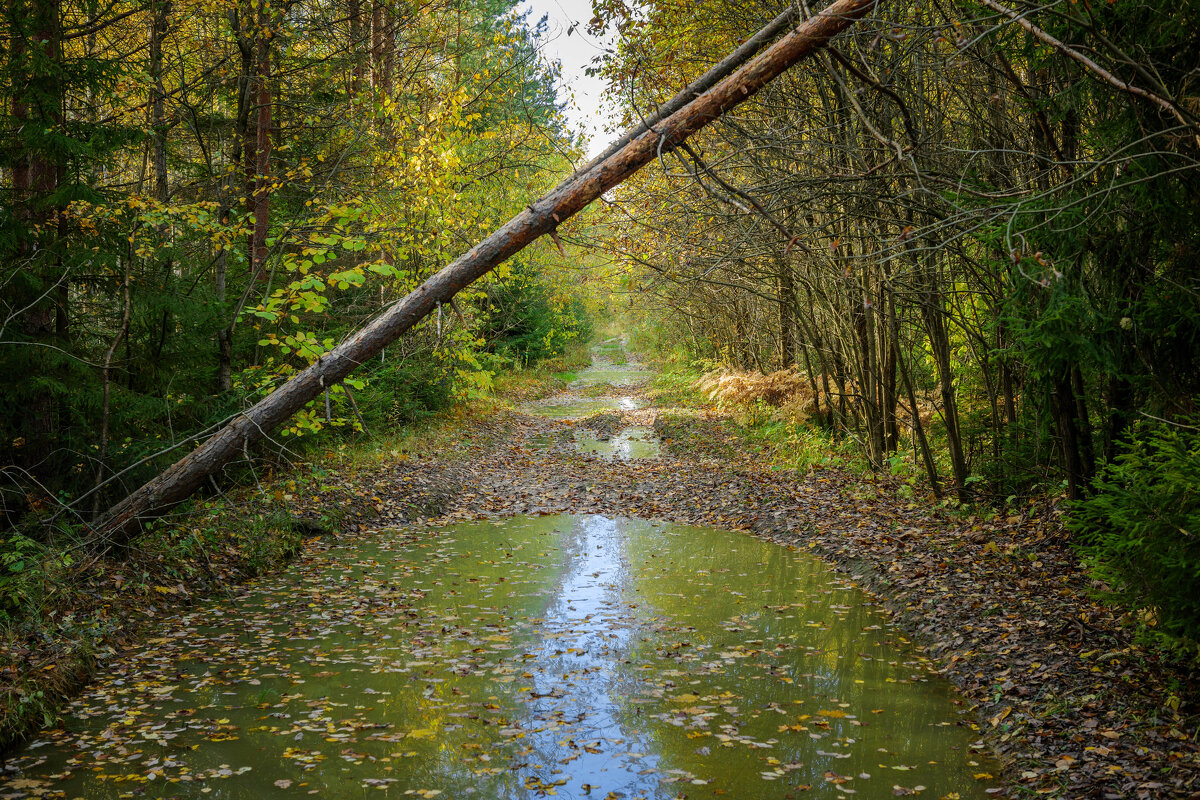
(407, 390)
(21, 573)
(525, 321)
(1140, 530)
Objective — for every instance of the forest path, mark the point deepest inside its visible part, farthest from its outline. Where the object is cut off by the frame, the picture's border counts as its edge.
(1068, 701)
(532, 654)
(1071, 707)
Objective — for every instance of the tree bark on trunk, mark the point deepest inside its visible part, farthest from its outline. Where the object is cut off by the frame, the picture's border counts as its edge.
(106, 404)
(376, 46)
(356, 47)
(241, 153)
(542, 216)
(787, 307)
(890, 396)
(939, 343)
(34, 49)
(262, 145)
(1063, 403)
(1083, 422)
(158, 96)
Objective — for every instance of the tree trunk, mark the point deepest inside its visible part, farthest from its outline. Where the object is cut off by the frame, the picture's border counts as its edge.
(356, 48)
(158, 96)
(1064, 406)
(37, 103)
(376, 46)
(183, 478)
(1083, 422)
(106, 403)
(262, 148)
(787, 307)
(243, 152)
(389, 49)
(889, 396)
(939, 343)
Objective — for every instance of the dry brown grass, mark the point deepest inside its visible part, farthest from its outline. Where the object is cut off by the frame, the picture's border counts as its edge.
(788, 391)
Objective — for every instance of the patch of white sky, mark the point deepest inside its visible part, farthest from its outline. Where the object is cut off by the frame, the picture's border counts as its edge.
(587, 108)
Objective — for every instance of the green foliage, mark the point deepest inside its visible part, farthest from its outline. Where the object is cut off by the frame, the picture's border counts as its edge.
(22, 573)
(526, 321)
(408, 390)
(801, 446)
(1141, 528)
(664, 344)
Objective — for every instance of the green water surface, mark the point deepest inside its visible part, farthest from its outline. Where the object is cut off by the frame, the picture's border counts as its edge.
(577, 657)
(627, 443)
(574, 408)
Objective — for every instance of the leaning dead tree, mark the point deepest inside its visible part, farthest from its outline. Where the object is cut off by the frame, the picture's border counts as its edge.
(728, 84)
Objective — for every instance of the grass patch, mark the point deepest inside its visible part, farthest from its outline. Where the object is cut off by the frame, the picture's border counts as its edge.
(547, 377)
(675, 387)
(799, 446)
(526, 385)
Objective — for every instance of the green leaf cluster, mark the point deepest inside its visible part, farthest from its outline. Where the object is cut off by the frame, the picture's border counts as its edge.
(1141, 528)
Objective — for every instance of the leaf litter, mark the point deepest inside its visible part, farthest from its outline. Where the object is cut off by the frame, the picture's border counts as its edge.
(1072, 707)
(546, 653)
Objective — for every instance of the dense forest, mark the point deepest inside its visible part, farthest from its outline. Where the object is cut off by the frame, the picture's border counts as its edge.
(958, 246)
(202, 198)
(972, 230)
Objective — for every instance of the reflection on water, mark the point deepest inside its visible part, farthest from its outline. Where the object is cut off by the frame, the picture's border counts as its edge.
(574, 408)
(631, 442)
(611, 374)
(588, 633)
(583, 657)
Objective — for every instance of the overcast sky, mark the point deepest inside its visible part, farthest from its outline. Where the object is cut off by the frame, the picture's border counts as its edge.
(583, 94)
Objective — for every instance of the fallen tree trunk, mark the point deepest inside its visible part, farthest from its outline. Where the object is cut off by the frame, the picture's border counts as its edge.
(709, 79)
(721, 89)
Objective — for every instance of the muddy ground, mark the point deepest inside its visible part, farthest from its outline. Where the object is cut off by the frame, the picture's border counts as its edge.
(1068, 701)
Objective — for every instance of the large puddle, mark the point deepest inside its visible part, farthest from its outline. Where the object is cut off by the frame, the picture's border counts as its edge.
(629, 442)
(582, 657)
(612, 375)
(612, 365)
(610, 368)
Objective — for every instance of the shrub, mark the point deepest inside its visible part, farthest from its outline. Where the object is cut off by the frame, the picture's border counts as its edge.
(407, 390)
(1140, 530)
(524, 320)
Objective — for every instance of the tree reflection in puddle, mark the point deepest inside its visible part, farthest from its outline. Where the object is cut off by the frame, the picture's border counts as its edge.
(583, 657)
